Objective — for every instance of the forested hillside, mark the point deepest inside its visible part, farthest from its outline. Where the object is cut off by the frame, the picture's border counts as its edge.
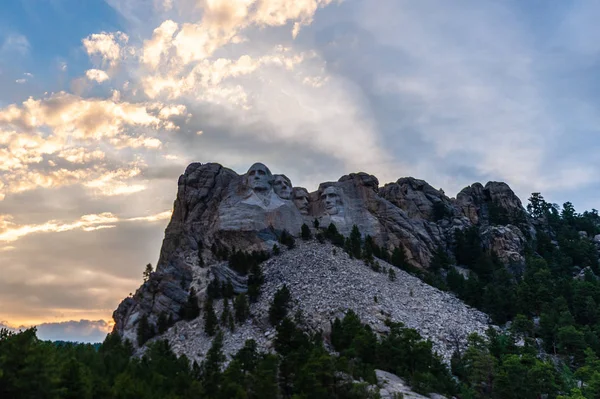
(549, 346)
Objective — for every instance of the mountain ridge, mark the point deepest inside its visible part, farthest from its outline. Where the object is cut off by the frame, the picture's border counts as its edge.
(216, 208)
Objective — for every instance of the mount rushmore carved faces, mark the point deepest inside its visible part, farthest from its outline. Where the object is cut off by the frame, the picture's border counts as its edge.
(259, 177)
(332, 200)
(301, 199)
(282, 186)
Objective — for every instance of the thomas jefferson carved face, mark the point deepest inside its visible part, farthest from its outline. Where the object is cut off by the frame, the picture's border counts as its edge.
(259, 177)
(301, 200)
(332, 200)
(282, 186)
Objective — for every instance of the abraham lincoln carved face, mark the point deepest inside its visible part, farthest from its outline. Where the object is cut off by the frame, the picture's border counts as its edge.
(332, 201)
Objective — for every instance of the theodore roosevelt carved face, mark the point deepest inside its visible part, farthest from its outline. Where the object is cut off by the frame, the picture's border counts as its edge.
(301, 200)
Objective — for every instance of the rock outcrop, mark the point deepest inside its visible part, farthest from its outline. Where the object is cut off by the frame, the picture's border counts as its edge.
(418, 199)
(393, 387)
(218, 210)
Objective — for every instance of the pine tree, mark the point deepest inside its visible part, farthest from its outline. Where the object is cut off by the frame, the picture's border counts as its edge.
(210, 318)
(242, 308)
(76, 380)
(355, 242)
(316, 223)
(399, 258)
(226, 314)
(287, 239)
(227, 290)
(163, 323)
(145, 330)
(348, 247)
(276, 251)
(391, 274)
(334, 236)
(213, 290)
(255, 281)
(305, 232)
(279, 307)
(368, 247)
(200, 258)
(231, 322)
(210, 369)
(439, 260)
(147, 272)
(190, 310)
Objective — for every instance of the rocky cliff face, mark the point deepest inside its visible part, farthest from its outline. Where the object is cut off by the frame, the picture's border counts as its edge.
(217, 208)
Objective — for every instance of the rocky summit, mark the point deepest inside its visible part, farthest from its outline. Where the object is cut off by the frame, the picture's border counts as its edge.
(218, 211)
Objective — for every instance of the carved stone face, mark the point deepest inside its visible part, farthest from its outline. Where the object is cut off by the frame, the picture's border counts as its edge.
(259, 177)
(282, 186)
(332, 201)
(301, 200)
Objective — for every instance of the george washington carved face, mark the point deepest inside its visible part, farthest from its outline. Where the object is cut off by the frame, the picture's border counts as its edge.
(259, 177)
(301, 200)
(332, 200)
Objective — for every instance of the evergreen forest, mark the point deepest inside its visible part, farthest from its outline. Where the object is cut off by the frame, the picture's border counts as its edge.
(547, 346)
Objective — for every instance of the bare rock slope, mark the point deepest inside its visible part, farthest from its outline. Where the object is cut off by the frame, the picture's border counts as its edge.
(324, 283)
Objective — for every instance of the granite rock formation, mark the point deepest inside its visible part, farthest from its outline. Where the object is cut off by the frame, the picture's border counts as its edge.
(217, 208)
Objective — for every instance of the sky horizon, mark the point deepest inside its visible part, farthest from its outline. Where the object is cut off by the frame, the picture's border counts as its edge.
(105, 102)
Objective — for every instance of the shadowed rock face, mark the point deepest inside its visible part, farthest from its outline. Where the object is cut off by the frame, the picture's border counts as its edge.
(417, 198)
(217, 207)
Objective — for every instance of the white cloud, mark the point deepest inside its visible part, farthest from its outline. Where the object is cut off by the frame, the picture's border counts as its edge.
(109, 46)
(71, 128)
(158, 46)
(16, 43)
(11, 232)
(96, 75)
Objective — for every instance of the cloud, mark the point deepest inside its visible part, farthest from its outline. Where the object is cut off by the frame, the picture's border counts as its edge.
(10, 231)
(85, 331)
(71, 275)
(15, 43)
(96, 75)
(37, 135)
(109, 46)
(83, 118)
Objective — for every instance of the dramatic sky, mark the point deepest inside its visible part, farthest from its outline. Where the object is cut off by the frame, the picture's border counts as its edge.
(104, 102)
